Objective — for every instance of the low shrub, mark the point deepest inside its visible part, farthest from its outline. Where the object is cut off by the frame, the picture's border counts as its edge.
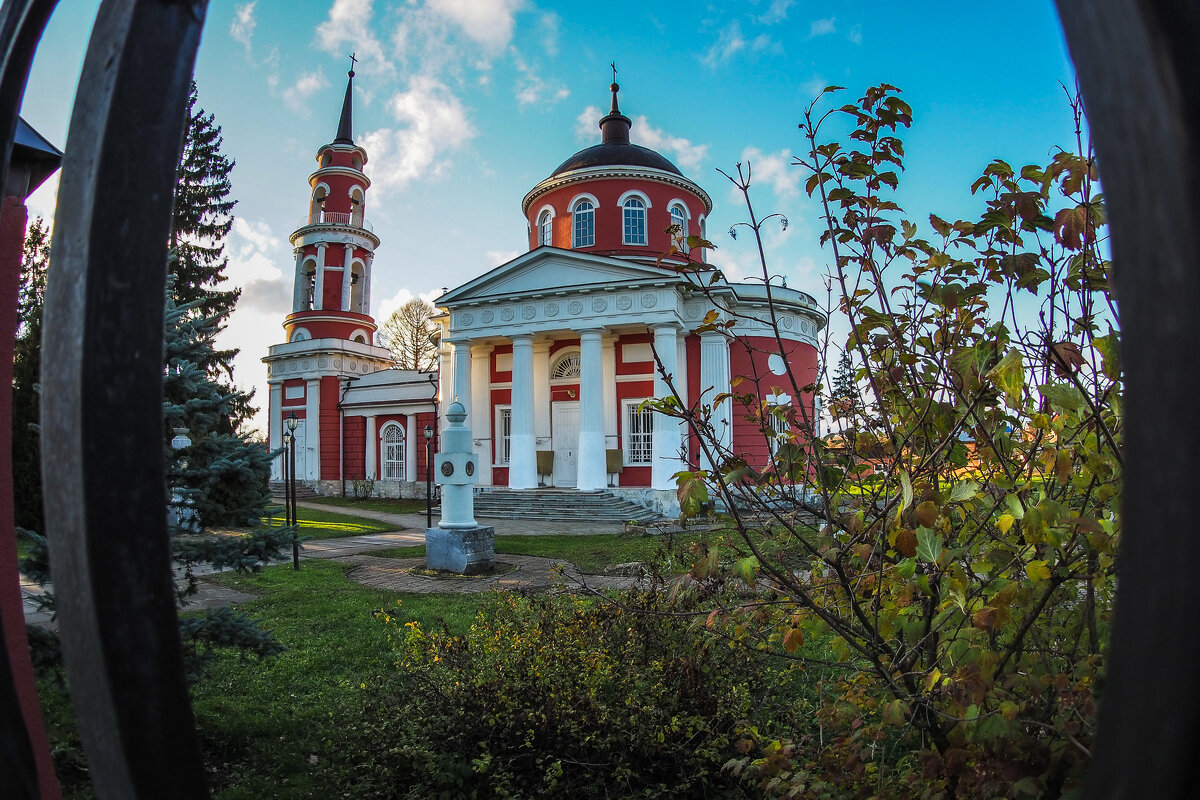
(561, 696)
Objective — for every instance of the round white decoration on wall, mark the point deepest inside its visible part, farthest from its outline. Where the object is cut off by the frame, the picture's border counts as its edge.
(599, 304)
(506, 315)
(468, 319)
(624, 302)
(551, 309)
(576, 308)
(776, 364)
(649, 300)
(487, 317)
(528, 312)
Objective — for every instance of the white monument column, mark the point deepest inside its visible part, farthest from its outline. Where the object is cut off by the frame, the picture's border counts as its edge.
(347, 277)
(410, 448)
(541, 392)
(522, 466)
(300, 288)
(319, 287)
(312, 430)
(481, 409)
(592, 471)
(460, 360)
(665, 437)
(371, 446)
(275, 426)
(714, 380)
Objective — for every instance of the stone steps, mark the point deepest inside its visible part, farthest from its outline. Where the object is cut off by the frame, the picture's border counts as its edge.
(559, 505)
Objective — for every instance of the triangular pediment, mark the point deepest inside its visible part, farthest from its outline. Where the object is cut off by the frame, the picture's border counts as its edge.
(549, 270)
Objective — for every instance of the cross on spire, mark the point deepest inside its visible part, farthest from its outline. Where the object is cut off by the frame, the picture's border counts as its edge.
(354, 61)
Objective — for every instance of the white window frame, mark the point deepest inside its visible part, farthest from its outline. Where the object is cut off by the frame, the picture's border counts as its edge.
(503, 454)
(392, 469)
(576, 239)
(628, 211)
(637, 446)
(544, 225)
(679, 216)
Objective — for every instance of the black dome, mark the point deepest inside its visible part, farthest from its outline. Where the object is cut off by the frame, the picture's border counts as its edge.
(613, 155)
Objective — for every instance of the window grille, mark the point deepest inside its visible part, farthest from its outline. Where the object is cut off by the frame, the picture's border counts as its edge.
(585, 224)
(393, 453)
(635, 221)
(503, 435)
(639, 433)
(545, 228)
(567, 366)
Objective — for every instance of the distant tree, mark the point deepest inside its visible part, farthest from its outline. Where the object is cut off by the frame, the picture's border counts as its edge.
(27, 364)
(844, 397)
(410, 334)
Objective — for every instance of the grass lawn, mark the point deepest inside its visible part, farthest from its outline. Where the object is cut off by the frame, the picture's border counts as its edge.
(592, 554)
(375, 504)
(316, 523)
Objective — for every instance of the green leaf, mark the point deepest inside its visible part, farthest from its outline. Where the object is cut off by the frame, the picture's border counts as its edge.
(1109, 347)
(747, 569)
(1062, 395)
(1037, 571)
(963, 491)
(895, 713)
(907, 568)
(1009, 378)
(929, 545)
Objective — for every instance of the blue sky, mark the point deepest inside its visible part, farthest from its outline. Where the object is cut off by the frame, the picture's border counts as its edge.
(464, 105)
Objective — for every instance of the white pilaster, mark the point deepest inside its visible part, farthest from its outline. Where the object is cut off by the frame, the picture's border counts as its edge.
(541, 392)
(312, 430)
(319, 287)
(366, 290)
(300, 288)
(275, 428)
(592, 472)
(714, 380)
(609, 354)
(410, 448)
(522, 467)
(666, 438)
(445, 378)
(347, 277)
(461, 364)
(481, 417)
(372, 447)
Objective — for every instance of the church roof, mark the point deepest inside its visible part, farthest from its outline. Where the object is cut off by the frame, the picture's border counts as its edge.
(615, 148)
(345, 133)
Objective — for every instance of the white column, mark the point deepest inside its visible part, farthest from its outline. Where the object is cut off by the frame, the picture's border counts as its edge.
(541, 392)
(411, 445)
(372, 447)
(481, 418)
(275, 428)
(461, 364)
(300, 288)
(347, 277)
(445, 379)
(319, 287)
(312, 429)
(714, 380)
(522, 466)
(592, 472)
(666, 438)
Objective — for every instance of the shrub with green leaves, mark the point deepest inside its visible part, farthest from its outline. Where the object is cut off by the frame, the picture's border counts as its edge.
(554, 695)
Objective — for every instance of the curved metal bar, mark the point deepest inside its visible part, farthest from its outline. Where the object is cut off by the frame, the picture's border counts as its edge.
(26, 769)
(102, 433)
(1138, 68)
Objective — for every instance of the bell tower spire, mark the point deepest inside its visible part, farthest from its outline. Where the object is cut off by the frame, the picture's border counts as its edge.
(345, 133)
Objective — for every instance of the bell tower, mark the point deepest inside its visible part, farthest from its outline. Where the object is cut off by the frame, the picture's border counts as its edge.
(329, 331)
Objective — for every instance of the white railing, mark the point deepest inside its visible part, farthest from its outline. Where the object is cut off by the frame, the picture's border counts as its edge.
(335, 218)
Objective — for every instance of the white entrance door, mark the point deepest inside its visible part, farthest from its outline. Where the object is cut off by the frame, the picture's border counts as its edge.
(564, 421)
(301, 452)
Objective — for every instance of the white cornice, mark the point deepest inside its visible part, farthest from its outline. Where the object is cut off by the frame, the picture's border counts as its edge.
(320, 232)
(345, 172)
(614, 173)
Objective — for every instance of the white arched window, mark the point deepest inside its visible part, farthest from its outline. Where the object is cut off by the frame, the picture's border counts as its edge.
(393, 452)
(545, 228)
(679, 221)
(633, 221)
(566, 366)
(356, 207)
(317, 208)
(583, 224)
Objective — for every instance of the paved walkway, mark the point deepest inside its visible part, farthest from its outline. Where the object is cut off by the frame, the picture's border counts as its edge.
(404, 575)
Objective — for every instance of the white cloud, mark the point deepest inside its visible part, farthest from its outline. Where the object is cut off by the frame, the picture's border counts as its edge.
(532, 89)
(349, 27)
(686, 155)
(390, 305)
(497, 257)
(587, 124)
(242, 27)
(726, 47)
(812, 87)
(296, 95)
(764, 43)
(773, 169)
(433, 124)
(821, 27)
(489, 24)
(549, 25)
(855, 34)
(253, 253)
(777, 12)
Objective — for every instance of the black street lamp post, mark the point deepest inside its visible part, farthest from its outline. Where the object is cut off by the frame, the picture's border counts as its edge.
(428, 477)
(292, 422)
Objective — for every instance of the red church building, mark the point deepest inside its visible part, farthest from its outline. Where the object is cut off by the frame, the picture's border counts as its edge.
(551, 353)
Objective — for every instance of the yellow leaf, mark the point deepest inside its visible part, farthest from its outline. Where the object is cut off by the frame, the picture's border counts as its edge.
(1005, 522)
(1037, 571)
(793, 639)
